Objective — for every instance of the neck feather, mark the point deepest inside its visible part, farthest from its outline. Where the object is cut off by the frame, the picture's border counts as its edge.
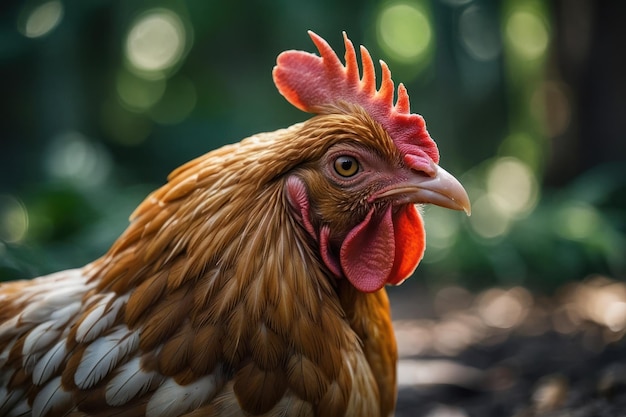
(217, 254)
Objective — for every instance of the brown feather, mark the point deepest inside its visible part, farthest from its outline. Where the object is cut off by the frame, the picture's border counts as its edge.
(370, 317)
(206, 349)
(165, 319)
(222, 280)
(237, 332)
(144, 297)
(334, 403)
(306, 378)
(267, 349)
(176, 352)
(71, 366)
(258, 390)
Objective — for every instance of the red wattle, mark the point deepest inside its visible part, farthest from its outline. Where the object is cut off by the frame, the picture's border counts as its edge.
(366, 254)
(410, 243)
(383, 250)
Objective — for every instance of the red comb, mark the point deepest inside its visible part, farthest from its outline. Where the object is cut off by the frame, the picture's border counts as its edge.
(314, 83)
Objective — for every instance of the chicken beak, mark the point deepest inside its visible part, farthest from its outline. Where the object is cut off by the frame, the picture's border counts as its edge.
(440, 188)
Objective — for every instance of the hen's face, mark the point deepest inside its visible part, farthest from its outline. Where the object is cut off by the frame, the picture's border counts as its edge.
(358, 202)
(342, 184)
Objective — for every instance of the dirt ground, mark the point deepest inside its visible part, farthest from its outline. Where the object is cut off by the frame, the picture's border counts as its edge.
(509, 353)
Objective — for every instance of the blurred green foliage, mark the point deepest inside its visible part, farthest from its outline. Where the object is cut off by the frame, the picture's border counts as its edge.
(526, 100)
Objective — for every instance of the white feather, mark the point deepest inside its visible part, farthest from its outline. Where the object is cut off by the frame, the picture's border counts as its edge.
(50, 397)
(65, 314)
(129, 382)
(39, 339)
(87, 322)
(103, 355)
(21, 409)
(36, 340)
(51, 293)
(172, 399)
(49, 363)
(46, 298)
(100, 319)
(50, 298)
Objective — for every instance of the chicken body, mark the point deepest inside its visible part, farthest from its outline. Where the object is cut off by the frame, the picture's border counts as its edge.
(238, 289)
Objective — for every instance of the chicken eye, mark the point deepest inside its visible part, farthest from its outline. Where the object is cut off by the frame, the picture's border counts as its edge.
(346, 166)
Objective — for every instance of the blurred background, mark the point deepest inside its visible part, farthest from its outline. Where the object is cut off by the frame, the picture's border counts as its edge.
(525, 98)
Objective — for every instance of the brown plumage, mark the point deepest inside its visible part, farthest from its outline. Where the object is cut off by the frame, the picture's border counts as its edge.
(252, 282)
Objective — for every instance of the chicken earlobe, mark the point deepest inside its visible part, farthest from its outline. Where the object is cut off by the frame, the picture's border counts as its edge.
(297, 196)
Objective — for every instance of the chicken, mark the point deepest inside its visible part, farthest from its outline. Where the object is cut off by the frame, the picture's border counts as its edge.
(252, 283)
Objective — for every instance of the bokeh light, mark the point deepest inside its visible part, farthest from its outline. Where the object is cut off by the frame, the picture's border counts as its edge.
(451, 298)
(527, 33)
(615, 316)
(479, 34)
(456, 3)
(442, 228)
(75, 158)
(504, 308)
(13, 219)
(451, 336)
(42, 19)
(599, 300)
(524, 147)
(156, 42)
(512, 187)
(138, 94)
(578, 221)
(405, 32)
(511, 192)
(486, 220)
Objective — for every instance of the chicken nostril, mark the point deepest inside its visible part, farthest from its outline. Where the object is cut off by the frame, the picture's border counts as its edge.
(421, 164)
